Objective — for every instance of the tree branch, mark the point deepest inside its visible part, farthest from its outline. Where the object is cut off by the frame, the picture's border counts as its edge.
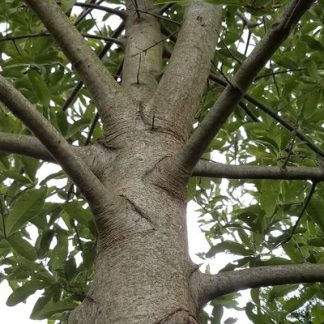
(59, 148)
(107, 94)
(87, 11)
(219, 170)
(305, 205)
(207, 287)
(184, 79)
(25, 145)
(142, 62)
(120, 13)
(44, 34)
(267, 110)
(234, 91)
(116, 33)
(30, 146)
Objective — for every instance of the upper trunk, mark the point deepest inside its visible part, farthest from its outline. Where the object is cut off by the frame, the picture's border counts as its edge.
(142, 269)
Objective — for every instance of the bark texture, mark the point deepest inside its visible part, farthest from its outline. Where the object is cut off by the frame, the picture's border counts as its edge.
(142, 267)
(135, 178)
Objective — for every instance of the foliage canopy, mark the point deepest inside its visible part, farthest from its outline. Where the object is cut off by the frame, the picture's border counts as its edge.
(279, 123)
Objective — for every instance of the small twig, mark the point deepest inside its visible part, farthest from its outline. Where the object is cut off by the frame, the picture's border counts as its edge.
(96, 24)
(68, 198)
(290, 149)
(228, 50)
(72, 96)
(106, 48)
(92, 128)
(225, 77)
(159, 17)
(277, 72)
(248, 112)
(3, 218)
(246, 22)
(247, 43)
(117, 32)
(77, 235)
(236, 148)
(307, 201)
(267, 110)
(156, 43)
(86, 11)
(16, 47)
(274, 79)
(120, 13)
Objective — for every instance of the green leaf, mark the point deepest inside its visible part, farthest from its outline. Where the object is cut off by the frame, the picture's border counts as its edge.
(60, 251)
(315, 211)
(317, 314)
(88, 253)
(61, 120)
(22, 293)
(25, 207)
(75, 211)
(45, 242)
(232, 247)
(66, 5)
(22, 247)
(229, 300)
(312, 42)
(31, 166)
(39, 306)
(311, 101)
(279, 291)
(12, 174)
(217, 313)
(40, 87)
(295, 303)
(50, 308)
(70, 268)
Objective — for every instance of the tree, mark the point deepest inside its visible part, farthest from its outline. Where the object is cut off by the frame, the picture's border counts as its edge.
(138, 140)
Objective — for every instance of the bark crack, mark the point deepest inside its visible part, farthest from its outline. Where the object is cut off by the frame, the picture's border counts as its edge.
(191, 319)
(140, 212)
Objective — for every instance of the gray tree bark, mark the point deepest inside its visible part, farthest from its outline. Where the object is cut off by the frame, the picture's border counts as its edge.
(135, 180)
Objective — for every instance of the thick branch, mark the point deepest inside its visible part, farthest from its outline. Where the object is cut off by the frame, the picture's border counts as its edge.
(24, 145)
(143, 55)
(116, 33)
(181, 87)
(207, 287)
(107, 94)
(55, 143)
(44, 34)
(234, 91)
(266, 109)
(219, 170)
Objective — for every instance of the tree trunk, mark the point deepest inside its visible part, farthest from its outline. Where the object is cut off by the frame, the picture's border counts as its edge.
(142, 269)
(135, 179)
